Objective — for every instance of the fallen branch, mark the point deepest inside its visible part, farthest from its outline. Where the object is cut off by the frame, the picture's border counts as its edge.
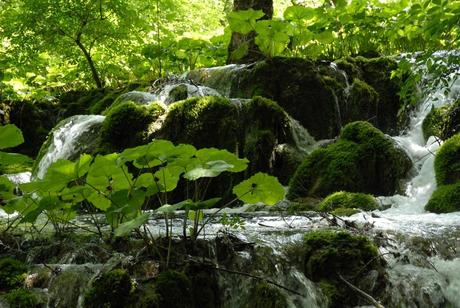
(369, 298)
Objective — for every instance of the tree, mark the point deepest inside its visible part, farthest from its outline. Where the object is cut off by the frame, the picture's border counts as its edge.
(245, 43)
(86, 26)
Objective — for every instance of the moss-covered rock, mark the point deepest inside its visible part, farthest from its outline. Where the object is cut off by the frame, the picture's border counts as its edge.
(263, 295)
(137, 97)
(112, 289)
(12, 273)
(328, 254)
(362, 102)
(447, 162)
(362, 160)
(21, 298)
(174, 290)
(445, 199)
(203, 122)
(443, 122)
(126, 125)
(346, 200)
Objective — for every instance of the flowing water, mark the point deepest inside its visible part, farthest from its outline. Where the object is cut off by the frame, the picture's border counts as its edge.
(425, 277)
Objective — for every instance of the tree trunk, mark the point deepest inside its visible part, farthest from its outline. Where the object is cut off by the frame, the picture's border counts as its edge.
(91, 64)
(239, 39)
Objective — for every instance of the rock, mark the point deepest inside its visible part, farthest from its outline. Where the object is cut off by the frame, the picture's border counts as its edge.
(174, 290)
(264, 295)
(127, 125)
(111, 289)
(316, 93)
(445, 199)
(327, 254)
(362, 160)
(442, 122)
(447, 162)
(339, 202)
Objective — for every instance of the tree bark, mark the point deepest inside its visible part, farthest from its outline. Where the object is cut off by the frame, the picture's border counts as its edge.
(239, 39)
(92, 66)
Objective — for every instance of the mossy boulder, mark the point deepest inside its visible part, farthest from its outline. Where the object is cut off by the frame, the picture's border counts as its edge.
(174, 290)
(445, 199)
(442, 122)
(447, 162)
(315, 93)
(112, 289)
(328, 254)
(264, 295)
(362, 160)
(203, 122)
(340, 202)
(22, 298)
(127, 125)
(12, 273)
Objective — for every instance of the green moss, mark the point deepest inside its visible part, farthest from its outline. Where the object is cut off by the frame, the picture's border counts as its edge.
(98, 106)
(447, 162)
(344, 212)
(434, 122)
(111, 289)
(329, 253)
(263, 295)
(21, 298)
(174, 290)
(126, 125)
(11, 273)
(203, 122)
(362, 160)
(445, 199)
(362, 102)
(178, 93)
(346, 200)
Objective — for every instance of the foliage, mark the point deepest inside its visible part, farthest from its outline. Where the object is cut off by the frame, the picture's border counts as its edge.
(11, 136)
(11, 273)
(21, 298)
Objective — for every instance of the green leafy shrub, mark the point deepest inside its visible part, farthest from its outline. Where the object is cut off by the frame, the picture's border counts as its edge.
(11, 273)
(328, 254)
(11, 136)
(126, 125)
(362, 160)
(112, 289)
(445, 199)
(447, 162)
(344, 200)
(21, 298)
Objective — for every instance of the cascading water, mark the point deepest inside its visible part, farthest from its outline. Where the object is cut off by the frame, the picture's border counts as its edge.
(69, 139)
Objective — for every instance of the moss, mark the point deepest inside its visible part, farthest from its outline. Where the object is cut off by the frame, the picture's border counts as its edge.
(137, 97)
(434, 121)
(98, 106)
(344, 212)
(178, 93)
(362, 160)
(205, 285)
(362, 102)
(263, 295)
(21, 298)
(329, 253)
(111, 289)
(174, 290)
(447, 162)
(12, 273)
(346, 200)
(203, 122)
(445, 199)
(259, 150)
(452, 122)
(126, 125)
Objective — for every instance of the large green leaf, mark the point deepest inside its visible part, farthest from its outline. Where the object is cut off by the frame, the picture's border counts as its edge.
(126, 228)
(260, 187)
(10, 136)
(244, 21)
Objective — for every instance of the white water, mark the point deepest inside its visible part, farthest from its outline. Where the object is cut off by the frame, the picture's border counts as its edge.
(66, 140)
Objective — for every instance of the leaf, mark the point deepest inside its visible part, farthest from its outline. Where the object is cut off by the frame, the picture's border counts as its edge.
(298, 13)
(9, 159)
(126, 228)
(201, 205)
(10, 136)
(244, 21)
(207, 170)
(170, 208)
(99, 201)
(260, 187)
(168, 177)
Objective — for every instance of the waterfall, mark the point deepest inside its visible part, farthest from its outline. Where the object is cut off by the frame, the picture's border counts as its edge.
(68, 140)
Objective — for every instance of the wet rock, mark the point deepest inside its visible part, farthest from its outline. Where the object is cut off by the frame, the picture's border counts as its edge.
(442, 122)
(362, 160)
(340, 202)
(446, 164)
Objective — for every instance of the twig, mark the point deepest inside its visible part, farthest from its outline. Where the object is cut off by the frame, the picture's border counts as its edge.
(369, 298)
